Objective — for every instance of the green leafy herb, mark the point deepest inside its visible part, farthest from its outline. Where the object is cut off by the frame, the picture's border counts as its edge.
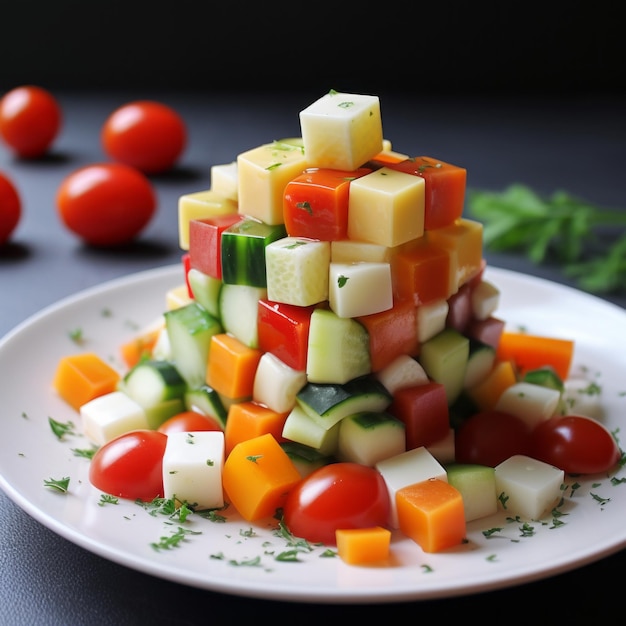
(61, 485)
(305, 206)
(77, 336)
(341, 281)
(174, 540)
(60, 429)
(560, 228)
(105, 498)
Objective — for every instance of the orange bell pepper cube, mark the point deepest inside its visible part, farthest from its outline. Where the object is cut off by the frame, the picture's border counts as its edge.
(363, 546)
(431, 513)
(486, 393)
(258, 476)
(80, 378)
(315, 204)
(249, 419)
(232, 366)
(139, 347)
(530, 352)
(445, 188)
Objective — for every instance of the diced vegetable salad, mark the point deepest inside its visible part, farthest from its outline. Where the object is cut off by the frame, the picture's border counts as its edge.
(335, 332)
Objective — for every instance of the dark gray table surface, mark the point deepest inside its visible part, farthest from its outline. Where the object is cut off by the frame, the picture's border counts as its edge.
(577, 144)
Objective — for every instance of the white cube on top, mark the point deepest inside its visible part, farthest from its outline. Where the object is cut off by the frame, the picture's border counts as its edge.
(342, 131)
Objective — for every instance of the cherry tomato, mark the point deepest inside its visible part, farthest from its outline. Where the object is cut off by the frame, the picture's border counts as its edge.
(130, 466)
(575, 444)
(188, 421)
(144, 134)
(10, 208)
(490, 437)
(106, 204)
(30, 120)
(336, 496)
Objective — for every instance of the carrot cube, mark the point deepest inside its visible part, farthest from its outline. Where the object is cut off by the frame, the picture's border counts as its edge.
(486, 394)
(422, 273)
(83, 377)
(530, 352)
(249, 419)
(232, 366)
(362, 546)
(257, 477)
(431, 513)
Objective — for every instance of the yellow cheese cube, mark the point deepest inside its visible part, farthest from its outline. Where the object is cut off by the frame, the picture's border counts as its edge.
(263, 175)
(342, 131)
(386, 207)
(200, 205)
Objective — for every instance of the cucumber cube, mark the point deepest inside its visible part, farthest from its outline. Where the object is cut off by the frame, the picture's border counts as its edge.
(477, 484)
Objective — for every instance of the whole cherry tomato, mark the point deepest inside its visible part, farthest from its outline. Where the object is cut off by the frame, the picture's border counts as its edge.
(106, 204)
(30, 120)
(490, 437)
(10, 208)
(188, 421)
(147, 135)
(130, 466)
(337, 496)
(575, 444)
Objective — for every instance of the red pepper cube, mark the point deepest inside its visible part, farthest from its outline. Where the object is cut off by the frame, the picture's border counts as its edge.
(422, 272)
(445, 188)
(186, 263)
(488, 331)
(243, 251)
(424, 411)
(283, 330)
(205, 243)
(391, 333)
(315, 204)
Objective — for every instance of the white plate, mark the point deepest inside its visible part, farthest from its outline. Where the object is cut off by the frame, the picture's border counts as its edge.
(111, 313)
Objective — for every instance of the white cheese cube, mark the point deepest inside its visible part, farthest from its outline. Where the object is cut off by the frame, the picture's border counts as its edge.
(528, 487)
(225, 180)
(386, 207)
(431, 319)
(111, 415)
(342, 131)
(485, 300)
(356, 289)
(530, 402)
(276, 384)
(192, 468)
(408, 468)
(404, 371)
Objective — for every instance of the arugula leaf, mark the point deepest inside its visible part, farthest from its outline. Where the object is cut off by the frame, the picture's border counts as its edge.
(560, 227)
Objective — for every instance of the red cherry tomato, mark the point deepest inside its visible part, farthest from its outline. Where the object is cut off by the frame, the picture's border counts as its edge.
(490, 437)
(336, 496)
(30, 120)
(188, 421)
(106, 204)
(147, 135)
(130, 466)
(10, 208)
(575, 444)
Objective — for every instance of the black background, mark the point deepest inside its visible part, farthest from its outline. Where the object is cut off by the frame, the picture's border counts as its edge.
(544, 48)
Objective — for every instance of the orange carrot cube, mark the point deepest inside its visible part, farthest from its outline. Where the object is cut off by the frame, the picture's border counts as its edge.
(257, 477)
(249, 419)
(362, 546)
(83, 377)
(431, 513)
(232, 366)
(486, 394)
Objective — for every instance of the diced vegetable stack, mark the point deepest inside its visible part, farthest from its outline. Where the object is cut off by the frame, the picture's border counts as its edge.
(334, 308)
